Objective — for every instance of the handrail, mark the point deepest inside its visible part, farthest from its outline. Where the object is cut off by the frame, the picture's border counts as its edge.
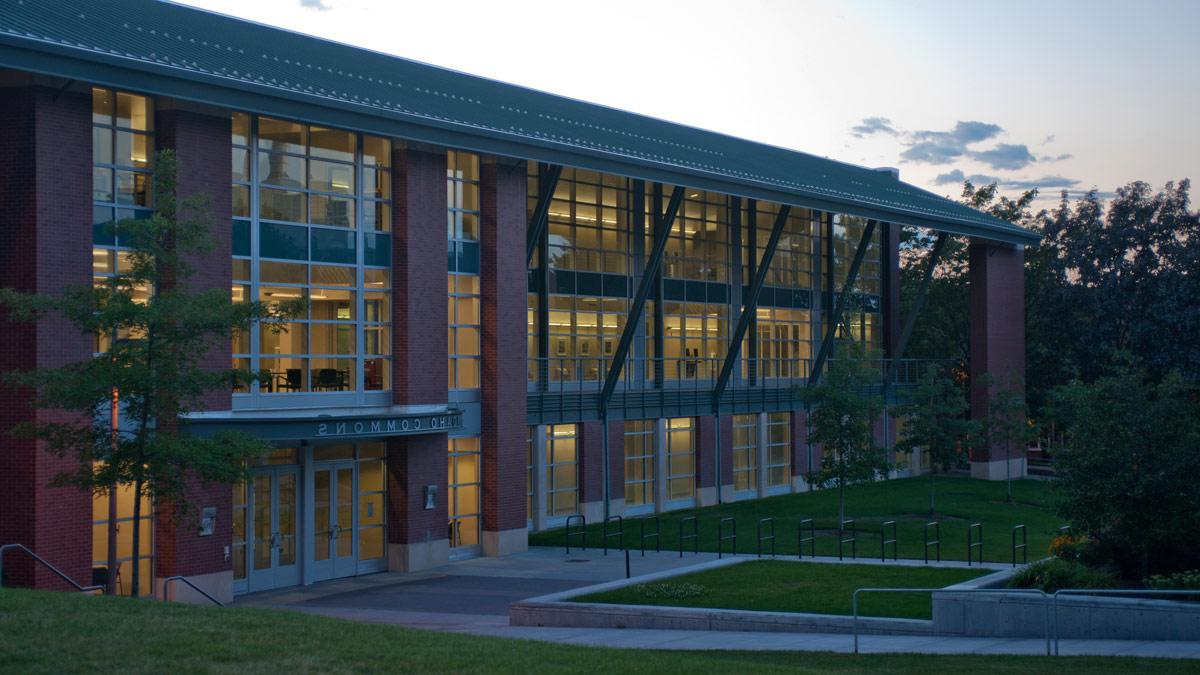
(973, 544)
(1110, 591)
(937, 541)
(722, 537)
(1024, 545)
(931, 591)
(619, 533)
(884, 541)
(811, 538)
(853, 540)
(694, 536)
(656, 535)
(769, 537)
(61, 575)
(581, 532)
(194, 587)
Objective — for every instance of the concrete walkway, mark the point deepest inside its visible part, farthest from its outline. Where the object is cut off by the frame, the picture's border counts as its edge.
(472, 597)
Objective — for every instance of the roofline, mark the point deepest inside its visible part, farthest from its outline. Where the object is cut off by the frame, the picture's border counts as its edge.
(167, 80)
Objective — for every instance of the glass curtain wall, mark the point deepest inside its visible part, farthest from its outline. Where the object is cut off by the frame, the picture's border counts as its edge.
(462, 233)
(779, 449)
(465, 484)
(681, 458)
(861, 323)
(640, 444)
(745, 453)
(562, 470)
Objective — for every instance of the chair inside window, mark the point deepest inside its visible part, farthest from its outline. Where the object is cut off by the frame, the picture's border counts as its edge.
(329, 379)
(292, 380)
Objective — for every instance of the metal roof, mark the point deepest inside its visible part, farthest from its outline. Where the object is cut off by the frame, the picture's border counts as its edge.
(164, 48)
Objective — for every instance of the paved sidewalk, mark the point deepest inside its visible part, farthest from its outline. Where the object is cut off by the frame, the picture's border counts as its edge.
(472, 596)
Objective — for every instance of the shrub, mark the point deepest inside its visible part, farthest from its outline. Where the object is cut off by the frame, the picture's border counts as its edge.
(1057, 573)
(1185, 580)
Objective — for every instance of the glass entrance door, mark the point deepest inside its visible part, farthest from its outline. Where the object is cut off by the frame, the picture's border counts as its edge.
(334, 526)
(273, 506)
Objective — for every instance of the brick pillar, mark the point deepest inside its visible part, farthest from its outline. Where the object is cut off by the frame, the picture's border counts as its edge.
(202, 148)
(45, 247)
(997, 311)
(616, 466)
(707, 428)
(504, 289)
(418, 538)
(800, 451)
(590, 444)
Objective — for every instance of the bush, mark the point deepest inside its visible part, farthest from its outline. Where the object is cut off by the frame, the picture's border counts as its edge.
(1057, 573)
(1185, 580)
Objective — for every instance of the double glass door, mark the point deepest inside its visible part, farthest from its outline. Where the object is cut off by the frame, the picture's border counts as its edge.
(335, 532)
(273, 508)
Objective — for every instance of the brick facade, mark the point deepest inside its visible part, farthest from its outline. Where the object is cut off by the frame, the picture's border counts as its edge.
(997, 337)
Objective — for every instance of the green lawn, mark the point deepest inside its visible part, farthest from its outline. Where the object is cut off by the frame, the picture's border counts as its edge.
(43, 632)
(960, 501)
(781, 586)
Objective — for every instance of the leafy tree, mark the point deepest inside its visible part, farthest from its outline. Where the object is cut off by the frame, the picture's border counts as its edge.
(1127, 476)
(844, 406)
(936, 422)
(122, 407)
(1006, 423)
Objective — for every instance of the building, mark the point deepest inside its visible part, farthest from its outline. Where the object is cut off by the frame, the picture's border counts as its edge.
(562, 346)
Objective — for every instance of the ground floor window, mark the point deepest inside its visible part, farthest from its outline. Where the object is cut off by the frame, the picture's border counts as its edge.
(562, 470)
(124, 522)
(745, 452)
(779, 449)
(639, 462)
(681, 458)
(464, 486)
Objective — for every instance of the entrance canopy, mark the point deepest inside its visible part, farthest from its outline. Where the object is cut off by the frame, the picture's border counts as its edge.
(322, 426)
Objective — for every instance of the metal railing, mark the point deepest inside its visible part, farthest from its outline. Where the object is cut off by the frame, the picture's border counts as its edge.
(45, 563)
(931, 591)
(1120, 592)
(619, 533)
(853, 540)
(694, 536)
(170, 580)
(936, 541)
(656, 535)
(770, 537)
(884, 541)
(722, 537)
(811, 539)
(1023, 546)
(973, 544)
(581, 532)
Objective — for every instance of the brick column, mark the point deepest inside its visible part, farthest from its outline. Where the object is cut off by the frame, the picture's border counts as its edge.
(800, 451)
(590, 445)
(997, 348)
(504, 290)
(707, 428)
(418, 538)
(45, 247)
(202, 147)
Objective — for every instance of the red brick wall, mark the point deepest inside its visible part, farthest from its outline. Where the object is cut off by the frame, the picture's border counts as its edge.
(997, 312)
(414, 462)
(591, 461)
(45, 246)
(616, 459)
(504, 299)
(202, 147)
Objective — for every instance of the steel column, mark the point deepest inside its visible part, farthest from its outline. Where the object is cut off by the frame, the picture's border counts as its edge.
(832, 321)
(548, 175)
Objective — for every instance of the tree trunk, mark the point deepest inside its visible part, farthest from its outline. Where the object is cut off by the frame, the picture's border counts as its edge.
(137, 536)
(110, 584)
(931, 494)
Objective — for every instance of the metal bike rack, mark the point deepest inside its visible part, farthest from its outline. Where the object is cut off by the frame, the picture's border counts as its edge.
(769, 537)
(935, 542)
(656, 535)
(722, 537)
(1023, 546)
(973, 543)
(167, 589)
(1106, 591)
(884, 541)
(811, 539)
(619, 533)
(580, 532)
(694, 536)
(45, 563)
(853, 540)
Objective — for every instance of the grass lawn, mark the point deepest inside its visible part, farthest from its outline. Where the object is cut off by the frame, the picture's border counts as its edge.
(44, 632)
(960, 502)
(784, 586)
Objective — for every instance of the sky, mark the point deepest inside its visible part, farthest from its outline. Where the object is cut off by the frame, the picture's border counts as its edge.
(1053, 94)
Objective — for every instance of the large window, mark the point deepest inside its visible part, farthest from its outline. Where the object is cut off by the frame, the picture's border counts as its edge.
(463, 347)
(681, 458)
(125, 527)
(793, 261)
(639, 462)
(465, 483)
(784, 342)
(695, 337)
(562, 470)
(698, 248)
(779, 449)
(745, 452)
(312, 211)
(462, 211)
(861, 322)
(587, 221)
(584, 332)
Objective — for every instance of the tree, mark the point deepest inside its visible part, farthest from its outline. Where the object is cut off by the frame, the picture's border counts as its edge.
(1006, 423)
(123, 406)
(1127, 476)
(844, 408)
(936, 421)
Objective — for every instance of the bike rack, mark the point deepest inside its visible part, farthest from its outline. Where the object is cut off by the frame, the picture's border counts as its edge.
(656, 535)
(722, 537)
(884, 541)
(61, 575)
(936, 541)
(811, 539)
(694, 536)
(769, 537)
(973, 543)
(619, 533)
(853, 540)
(1023, 545)
(167, 589)
(581, 532)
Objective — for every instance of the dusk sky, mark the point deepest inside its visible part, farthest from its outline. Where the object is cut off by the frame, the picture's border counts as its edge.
(1076, 95)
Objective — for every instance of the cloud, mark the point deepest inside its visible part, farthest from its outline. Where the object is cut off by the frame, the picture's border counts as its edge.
(318, 5)
(1049, 140)
(956, 176)
(1055, 158)
(943, 147)
(953, 176)
(1005, 156)
(873, 125)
